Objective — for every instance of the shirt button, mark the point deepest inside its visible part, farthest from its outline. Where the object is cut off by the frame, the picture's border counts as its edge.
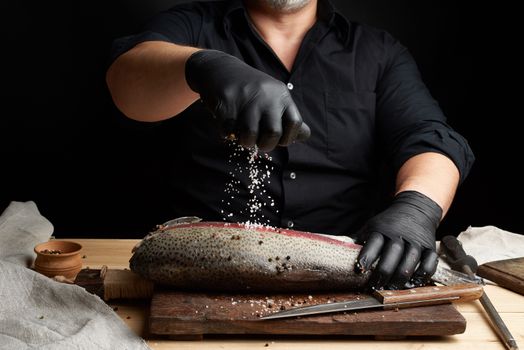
(290, 224)
(292, 175)
(290, 86)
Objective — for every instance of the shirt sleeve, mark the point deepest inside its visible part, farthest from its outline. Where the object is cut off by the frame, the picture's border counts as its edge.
(409, 120)
(179, 25)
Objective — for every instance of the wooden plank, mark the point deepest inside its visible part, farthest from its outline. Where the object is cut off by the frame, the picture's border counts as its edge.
(183, 313)
(115, 253)
(478, 335)
(507, 273)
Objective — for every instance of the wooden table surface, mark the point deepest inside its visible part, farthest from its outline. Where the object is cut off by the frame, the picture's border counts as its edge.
(115, 253)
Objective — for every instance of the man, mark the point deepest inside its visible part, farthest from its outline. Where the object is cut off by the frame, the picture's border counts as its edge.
(332, 101)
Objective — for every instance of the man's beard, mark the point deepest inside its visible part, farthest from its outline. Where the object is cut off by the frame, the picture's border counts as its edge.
(286, 5)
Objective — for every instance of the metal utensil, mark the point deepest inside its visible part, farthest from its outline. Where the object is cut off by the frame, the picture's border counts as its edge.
(450, 277)
(391, 299)
(458, 259)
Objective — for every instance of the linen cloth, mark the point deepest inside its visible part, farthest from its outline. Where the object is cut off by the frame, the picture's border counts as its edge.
(39, 313)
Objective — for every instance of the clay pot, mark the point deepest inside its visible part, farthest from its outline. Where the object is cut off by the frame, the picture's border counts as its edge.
(58, 258)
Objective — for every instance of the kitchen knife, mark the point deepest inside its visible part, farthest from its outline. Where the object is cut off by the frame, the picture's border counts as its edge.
(450, 277)
(391, 299)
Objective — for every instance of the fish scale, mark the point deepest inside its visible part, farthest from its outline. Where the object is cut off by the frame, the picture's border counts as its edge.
(229, 257)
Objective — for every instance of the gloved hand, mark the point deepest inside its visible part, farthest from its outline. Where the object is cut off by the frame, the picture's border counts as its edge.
(402, 236)
(254, 106)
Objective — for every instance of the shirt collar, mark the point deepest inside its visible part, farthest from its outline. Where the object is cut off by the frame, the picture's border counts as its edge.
(233, 8)
(326, 13)
(334, 18)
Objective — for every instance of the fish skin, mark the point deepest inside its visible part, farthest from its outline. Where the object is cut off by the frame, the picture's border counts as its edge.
(220, 257)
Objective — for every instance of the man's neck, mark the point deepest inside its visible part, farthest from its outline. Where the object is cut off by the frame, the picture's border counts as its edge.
(283, 31)
(269, 21)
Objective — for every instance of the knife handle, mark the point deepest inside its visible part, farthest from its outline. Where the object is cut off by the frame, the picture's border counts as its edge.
(431, 295)
(455, 254)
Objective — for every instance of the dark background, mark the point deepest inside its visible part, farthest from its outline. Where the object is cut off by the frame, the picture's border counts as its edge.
(94, 173)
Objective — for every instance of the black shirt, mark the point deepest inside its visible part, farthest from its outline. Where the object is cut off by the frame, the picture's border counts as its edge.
(357, 88)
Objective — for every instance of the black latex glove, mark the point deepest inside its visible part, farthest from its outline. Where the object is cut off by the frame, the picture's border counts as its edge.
(254, 106)
(402, 236)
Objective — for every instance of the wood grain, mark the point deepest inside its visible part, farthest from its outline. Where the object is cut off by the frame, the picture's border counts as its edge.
(478, 335)
(507, 273)
(183, 313)
(430, 295)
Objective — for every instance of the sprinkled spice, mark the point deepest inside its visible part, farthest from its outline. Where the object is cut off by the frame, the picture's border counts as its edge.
(252, 170)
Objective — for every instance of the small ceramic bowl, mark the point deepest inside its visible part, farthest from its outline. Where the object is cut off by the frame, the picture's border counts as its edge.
(58, 258)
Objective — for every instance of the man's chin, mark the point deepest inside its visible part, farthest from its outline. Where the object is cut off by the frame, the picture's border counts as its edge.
(288, 6)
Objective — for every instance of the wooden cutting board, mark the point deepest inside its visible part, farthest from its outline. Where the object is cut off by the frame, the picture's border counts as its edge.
(192, 315)
(507, 273)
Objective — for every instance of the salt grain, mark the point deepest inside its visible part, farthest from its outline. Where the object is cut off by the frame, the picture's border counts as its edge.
(256, 182)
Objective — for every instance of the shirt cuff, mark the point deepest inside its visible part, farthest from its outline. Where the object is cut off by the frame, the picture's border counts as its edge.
(444, 141)
(122, 45)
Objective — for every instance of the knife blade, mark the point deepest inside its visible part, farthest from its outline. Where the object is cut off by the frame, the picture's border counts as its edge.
(450, 277)
(391, 299)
